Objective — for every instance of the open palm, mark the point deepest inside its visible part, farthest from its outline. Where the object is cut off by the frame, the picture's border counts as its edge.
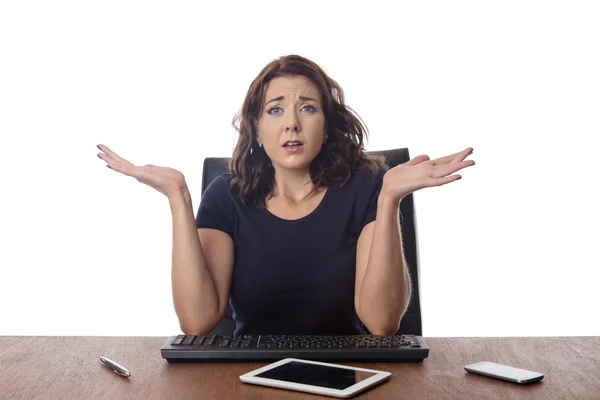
(166, 180)
(421, 172)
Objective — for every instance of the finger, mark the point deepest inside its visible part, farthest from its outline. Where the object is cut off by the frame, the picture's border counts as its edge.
(417, 160)
(109, 161)
(123, 167)
(445, 180)
(130, 170)
(112, 154)
(461, 155)
(447, 169)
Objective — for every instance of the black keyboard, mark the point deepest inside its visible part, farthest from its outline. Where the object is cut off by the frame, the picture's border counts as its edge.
(188, 348)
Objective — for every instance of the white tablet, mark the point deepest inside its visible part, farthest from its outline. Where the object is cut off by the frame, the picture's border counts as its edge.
(315, 377)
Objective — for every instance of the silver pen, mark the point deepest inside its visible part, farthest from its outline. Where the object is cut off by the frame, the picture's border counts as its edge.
(119, 369)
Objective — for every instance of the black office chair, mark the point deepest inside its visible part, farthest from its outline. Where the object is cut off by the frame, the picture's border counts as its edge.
(411, 322)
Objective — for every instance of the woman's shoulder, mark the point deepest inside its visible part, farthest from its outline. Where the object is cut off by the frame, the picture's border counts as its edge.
(224, 178)
(220, 185)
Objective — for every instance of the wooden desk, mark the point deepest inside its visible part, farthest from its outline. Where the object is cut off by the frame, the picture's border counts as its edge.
(39, 367)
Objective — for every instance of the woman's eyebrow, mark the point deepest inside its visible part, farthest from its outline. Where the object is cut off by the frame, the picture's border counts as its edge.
(300, 97)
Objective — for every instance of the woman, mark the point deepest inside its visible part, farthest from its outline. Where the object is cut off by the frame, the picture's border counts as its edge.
(303, 234)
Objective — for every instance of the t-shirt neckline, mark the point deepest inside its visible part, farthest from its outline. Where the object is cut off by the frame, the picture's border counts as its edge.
(307, 216)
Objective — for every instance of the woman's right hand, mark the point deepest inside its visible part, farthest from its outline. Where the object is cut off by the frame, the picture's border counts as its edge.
(168, 181)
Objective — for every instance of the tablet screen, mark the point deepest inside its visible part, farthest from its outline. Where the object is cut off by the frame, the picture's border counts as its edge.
(316, 375)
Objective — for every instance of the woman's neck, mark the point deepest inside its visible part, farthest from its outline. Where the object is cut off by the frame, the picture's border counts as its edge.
(293, 186)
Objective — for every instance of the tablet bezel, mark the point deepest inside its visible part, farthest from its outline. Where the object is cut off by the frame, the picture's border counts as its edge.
(250, 377)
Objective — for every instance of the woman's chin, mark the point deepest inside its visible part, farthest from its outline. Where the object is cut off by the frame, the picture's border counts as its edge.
(294, 163)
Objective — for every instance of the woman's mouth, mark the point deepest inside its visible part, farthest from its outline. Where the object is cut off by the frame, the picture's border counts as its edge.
(293, 146)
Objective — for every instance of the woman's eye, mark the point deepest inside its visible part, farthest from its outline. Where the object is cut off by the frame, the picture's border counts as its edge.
(311, 109)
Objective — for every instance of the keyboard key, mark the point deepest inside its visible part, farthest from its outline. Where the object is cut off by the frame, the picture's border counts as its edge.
(199, 341)
(210, 340)
(177, 341)
(188, 340)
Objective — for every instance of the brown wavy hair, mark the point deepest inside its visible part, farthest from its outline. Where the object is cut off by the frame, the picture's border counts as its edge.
(340, 156)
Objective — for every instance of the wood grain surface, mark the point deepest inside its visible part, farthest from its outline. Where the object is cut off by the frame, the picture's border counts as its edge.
(40, 367)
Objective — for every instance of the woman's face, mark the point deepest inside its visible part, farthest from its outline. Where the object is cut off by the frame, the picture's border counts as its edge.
(292, 124)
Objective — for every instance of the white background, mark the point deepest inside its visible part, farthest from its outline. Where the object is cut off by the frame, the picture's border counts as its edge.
(509, 250)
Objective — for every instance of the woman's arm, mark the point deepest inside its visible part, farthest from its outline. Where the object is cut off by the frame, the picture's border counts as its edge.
(383, 287)
(202, 267)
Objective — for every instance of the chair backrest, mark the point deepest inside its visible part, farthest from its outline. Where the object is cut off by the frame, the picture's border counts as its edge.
(411, 321)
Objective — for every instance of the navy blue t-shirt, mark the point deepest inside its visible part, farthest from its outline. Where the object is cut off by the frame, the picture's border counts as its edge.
(294, 276)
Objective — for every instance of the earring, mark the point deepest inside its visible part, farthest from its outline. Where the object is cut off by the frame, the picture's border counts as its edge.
(259, 144)
(325, 139)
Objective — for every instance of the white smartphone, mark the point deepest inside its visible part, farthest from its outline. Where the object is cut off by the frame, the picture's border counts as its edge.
(504, 372)
(315, 377)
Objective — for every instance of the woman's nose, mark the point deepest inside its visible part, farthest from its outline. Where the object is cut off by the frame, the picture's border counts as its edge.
(292, 125)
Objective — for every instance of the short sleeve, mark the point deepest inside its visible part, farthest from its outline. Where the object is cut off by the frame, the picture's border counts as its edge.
(216, 207)
(373, 188)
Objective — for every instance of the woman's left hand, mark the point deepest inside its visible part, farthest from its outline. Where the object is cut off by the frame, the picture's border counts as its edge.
(421, 172)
